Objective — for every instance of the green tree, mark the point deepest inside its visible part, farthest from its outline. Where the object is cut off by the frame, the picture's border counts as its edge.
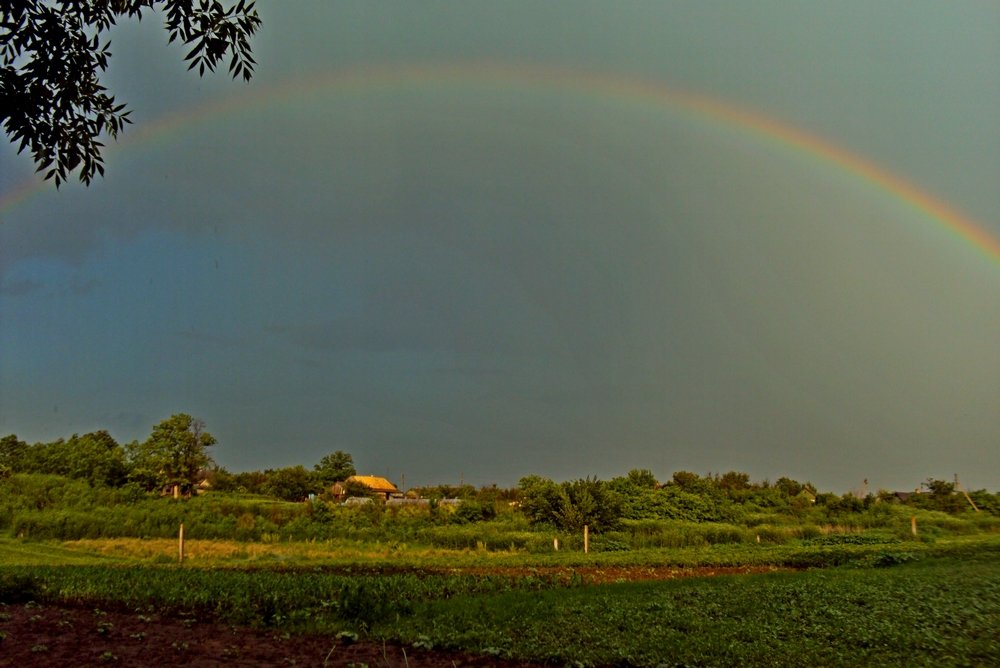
(221, 480)
(692, 482)
(250, 482)
(733, 481)
(335, 467)
(636, 490)
(685, 479)
(176, 453)
(939, 488)
(942, 496)
(540, 499)
(95, 457)
(52, 56)
(473, 511)
(293, 483)
(789, 487)
(12, 452)
(570, 505)
(643, 478)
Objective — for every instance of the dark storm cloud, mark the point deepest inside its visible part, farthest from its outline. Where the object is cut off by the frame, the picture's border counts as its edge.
(19, 288)
(503, 281)
(81, 287)
(199, 337)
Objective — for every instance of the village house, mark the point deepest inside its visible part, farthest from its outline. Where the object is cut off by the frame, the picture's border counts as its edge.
(379, 487)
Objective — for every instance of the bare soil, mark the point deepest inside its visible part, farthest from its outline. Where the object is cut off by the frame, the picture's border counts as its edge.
(612, 574)
(67, 636)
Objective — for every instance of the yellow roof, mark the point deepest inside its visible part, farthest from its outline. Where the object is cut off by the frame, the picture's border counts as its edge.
(376, 483)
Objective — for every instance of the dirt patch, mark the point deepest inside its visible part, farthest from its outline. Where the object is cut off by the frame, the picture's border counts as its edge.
(65, 636)
(612, 574)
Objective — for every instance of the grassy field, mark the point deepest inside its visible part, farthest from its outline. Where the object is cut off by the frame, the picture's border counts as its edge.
(821, 551)
(868, 600)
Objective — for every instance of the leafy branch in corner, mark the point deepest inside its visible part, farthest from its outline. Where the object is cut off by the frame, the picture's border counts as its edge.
(52, 55)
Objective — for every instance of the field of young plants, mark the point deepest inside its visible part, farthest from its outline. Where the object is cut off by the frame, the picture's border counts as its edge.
(93, 574)
(838, 602)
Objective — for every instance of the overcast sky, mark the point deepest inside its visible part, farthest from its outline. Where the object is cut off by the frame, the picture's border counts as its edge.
(472, 277)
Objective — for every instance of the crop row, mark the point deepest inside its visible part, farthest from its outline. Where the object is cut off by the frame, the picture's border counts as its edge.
(287, 598)
(932, 613)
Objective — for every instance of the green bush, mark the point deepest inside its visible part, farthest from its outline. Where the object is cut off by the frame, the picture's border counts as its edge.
(672, 533)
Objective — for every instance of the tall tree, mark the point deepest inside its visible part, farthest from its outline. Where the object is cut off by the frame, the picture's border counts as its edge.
(335, 467)
(12, 452)
(176, 453)
(52, 55)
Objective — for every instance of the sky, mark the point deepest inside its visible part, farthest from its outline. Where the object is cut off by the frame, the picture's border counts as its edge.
(471, 241)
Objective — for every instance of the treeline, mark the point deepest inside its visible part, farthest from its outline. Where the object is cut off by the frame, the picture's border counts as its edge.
(176, 455)
(727, 498)
(40, 506)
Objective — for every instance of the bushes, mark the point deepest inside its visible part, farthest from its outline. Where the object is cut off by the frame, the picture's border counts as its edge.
(569, 506)
(58, 508)
(494, 536)
(473, 511)
(671, 534)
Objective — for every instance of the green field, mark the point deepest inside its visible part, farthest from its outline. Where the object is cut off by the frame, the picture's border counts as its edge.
(943, 612)
(860, 602)
(835, 581)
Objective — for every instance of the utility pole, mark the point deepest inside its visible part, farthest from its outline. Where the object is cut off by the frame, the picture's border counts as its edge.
(968, 498)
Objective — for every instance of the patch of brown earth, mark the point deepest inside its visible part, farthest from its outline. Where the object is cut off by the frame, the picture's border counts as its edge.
(49, 635)
(612, 574)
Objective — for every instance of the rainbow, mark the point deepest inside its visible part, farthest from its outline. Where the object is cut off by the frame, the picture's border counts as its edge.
(522, 77)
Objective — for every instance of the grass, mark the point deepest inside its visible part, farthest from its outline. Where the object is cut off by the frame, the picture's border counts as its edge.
(31, 553)
(819, 551)
(313, 600)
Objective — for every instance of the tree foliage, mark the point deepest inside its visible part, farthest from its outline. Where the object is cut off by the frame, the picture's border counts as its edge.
(12, 451)
(293, 483)
(52, 56)
(571, 505)
(941, 496)
(95, 457)
(335, 467)
(642, 478)
(176, 453)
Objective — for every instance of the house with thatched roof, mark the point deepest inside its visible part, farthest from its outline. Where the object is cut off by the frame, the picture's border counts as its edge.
(379, 487)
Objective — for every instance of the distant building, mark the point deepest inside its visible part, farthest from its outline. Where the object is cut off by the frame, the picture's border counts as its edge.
(421, 503)
(379, 487)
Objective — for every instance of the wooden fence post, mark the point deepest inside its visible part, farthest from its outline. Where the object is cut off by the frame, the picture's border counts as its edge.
(913, 525)
(180, 545)
(586, 539)
(555, 544)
